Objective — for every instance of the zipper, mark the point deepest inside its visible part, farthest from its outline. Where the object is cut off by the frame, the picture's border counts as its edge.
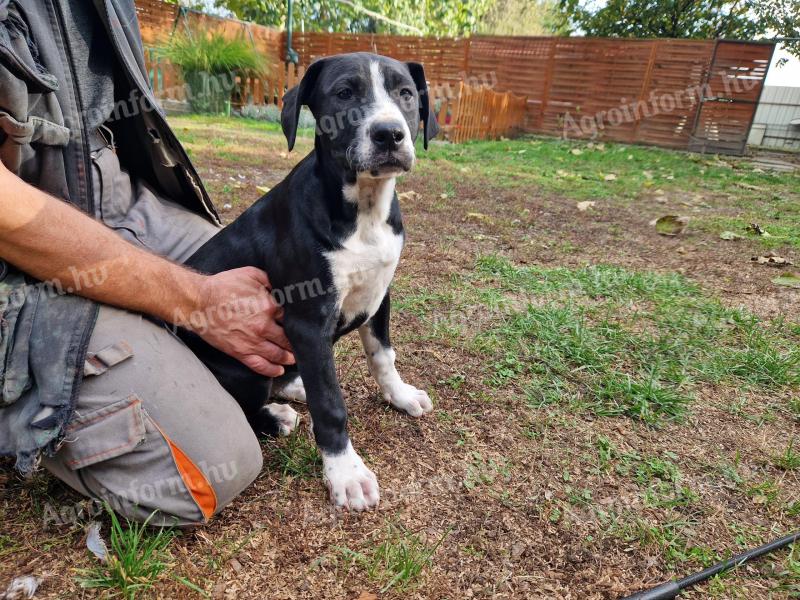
(85, 150)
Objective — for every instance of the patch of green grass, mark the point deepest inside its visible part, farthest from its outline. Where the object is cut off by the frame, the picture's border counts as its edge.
(790, 572)
(137, 559)
(606, 451)
(484, 471)
(296, 456)
(398, 560)
(672, 538)
(789, 460)
(765, 492)
(794, 407)
(616, 342)
(580, 169)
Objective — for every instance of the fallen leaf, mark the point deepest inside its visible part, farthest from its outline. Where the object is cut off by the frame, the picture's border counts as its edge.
(576, 151)
(443, 196)
(409, 195)
(610, 177)
(95, 543)
(235, 565)
(476, 216)
(367, 596)
(729, 235)
(585, 205)
(772, 259)
(263, 188)
(670, 225)
(788, 280)
(518, 549)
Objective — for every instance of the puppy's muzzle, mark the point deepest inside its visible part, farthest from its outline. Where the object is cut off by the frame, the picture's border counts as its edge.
(386, 137)
(390, 151)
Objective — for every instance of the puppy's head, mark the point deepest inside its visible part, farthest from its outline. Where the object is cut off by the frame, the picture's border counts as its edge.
(368, 110)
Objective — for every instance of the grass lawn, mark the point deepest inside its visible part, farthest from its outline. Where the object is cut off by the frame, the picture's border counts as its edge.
(612, 407)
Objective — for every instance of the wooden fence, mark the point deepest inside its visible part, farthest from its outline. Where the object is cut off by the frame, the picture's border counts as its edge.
(466, 112)
(684, 94)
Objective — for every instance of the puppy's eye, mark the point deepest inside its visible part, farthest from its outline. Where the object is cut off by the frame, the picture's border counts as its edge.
(406, 93)
(345, 94)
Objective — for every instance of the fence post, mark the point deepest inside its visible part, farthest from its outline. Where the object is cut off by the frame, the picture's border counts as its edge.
(548, 82)
(467, 48)
(646, 85)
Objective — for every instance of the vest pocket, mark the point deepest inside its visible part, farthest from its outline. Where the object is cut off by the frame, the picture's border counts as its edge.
(30, 116)
(17, 311)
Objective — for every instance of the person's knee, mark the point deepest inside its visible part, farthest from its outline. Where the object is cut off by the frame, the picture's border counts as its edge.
(240, 468)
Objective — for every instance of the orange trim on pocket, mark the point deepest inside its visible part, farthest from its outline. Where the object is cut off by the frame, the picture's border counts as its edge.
(199, 486)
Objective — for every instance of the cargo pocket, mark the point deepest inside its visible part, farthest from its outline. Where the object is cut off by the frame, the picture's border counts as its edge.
(120, 454)
(103, 434)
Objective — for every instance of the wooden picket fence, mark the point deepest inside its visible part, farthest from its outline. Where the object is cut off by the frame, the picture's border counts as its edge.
(477, 112)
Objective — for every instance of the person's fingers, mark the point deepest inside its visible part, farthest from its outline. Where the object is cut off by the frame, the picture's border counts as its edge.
(274, 354)
(262, 366)
(274, 333)
(259, 275)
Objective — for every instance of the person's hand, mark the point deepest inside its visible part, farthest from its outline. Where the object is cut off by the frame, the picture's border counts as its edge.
(238, 315)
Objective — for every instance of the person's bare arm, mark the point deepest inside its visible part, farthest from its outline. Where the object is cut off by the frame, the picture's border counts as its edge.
(52, 241)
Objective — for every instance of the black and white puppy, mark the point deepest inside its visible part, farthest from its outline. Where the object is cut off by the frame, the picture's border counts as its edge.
(331, 232)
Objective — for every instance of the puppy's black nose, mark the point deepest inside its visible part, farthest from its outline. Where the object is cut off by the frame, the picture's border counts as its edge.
(386, 135)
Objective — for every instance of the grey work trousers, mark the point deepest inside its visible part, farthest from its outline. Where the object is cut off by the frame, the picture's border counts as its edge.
(155, 433)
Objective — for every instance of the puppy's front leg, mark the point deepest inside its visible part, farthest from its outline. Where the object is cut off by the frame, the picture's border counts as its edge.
(380, 358)
(351, 484)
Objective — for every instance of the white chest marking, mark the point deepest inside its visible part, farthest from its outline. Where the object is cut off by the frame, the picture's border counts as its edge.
(363, 268)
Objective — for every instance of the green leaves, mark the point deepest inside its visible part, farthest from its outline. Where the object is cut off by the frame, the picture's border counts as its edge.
(647, 19)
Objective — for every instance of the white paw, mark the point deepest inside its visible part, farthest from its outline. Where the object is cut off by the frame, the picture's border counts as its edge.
(406, 397)
(351, 484)
(287, 417)
(293, 391)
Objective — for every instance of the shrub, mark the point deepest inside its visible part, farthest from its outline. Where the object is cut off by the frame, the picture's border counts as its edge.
(272, 114)
(209, 64)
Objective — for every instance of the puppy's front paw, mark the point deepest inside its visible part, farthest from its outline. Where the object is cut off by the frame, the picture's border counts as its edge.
(406, 397)
(351, 484)
(286, 418)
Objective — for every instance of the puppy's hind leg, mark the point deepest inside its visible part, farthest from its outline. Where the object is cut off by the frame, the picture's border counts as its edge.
(380, 358)
(278, 419)
(289, 386)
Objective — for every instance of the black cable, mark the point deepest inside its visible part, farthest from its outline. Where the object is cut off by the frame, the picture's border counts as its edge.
(670, 589)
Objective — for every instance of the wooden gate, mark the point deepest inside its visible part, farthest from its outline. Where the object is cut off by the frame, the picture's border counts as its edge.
(730, 95)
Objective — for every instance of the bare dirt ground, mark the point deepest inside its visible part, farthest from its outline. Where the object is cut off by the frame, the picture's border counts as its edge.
(495, 494)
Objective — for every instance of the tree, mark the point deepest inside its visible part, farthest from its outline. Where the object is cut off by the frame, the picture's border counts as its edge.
(428, 17)
(522, 17)
(664, 18)
(782, 19)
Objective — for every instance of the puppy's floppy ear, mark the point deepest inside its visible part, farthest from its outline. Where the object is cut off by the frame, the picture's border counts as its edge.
(430, 127)
(295, 98)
